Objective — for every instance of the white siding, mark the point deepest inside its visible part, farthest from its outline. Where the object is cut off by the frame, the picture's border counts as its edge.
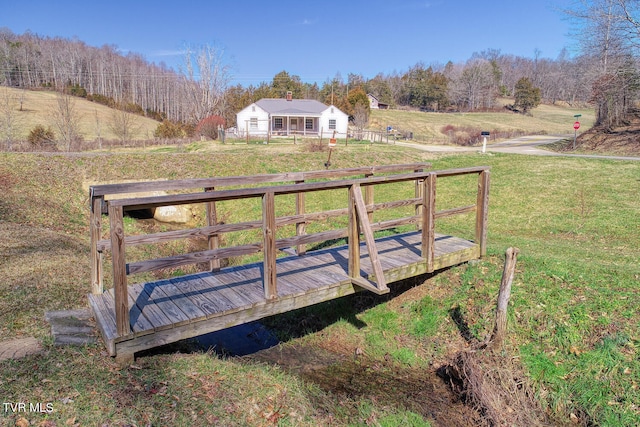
(341, 122)
(250, 114)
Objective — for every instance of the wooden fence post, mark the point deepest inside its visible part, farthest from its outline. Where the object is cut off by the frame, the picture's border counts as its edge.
(300, 226)
(353, 236)
(428, 220)
(418, 191)
(482, 210)
(269, 245)
(121, 295)
(368, 196)
(500, 329)
(95, 229)
(213, 240)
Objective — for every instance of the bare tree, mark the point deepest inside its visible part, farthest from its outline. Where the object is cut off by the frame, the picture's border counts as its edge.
(123, 125)
(609, 31)
(360, 118)
(9, 117)
(66, 119)
(206, 80)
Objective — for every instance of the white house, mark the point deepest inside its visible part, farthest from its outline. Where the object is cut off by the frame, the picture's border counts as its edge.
(306, 117)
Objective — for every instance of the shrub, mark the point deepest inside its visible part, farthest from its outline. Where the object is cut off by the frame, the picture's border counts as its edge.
(40, 136)
(133, 108)
(101, 99)
(209, 126)
(170, 130)
(76, 90)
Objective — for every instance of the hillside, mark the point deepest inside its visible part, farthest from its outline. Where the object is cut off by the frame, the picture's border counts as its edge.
(622, 140)
(94, 119)
(428, 127)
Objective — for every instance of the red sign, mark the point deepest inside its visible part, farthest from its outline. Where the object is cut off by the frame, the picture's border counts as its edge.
(576, 125)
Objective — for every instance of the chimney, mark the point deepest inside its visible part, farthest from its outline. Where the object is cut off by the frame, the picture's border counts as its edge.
(289, 95)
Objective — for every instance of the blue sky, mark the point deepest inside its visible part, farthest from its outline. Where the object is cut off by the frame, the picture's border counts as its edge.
(312, 39)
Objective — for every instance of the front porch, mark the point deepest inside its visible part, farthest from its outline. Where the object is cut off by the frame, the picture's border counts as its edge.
(294, 125)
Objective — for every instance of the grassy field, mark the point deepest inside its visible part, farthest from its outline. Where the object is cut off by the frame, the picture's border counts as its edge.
(545, 119)
(94, 119)
(361, 360)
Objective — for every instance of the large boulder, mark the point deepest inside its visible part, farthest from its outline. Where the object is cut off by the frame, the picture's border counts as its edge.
(180, 214)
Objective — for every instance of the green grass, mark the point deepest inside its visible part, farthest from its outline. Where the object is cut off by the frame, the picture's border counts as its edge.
(573, 320)
(427, 127)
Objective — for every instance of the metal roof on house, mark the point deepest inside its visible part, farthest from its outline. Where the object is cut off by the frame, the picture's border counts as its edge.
(295, 107)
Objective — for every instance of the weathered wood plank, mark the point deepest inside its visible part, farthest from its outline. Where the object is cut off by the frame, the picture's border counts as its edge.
(95, 228)
(455, 211)
(146, 307)
(119, 270)
(104, 316)
(192, 258)
(209, 285)
(428, 220)
(482, 211)
(353, 231)
(269, 245)
(188, 302)
(300, 225)
(139, 323)
(201, 232)
(188, 184)
(361, 211)
(169, 308)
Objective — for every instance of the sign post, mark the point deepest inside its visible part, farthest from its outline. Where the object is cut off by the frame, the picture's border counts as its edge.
(484, 134)
(332, 144)
(576, 126)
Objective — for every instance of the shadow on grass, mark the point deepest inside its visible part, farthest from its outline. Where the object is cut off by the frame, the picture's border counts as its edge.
(253, 337)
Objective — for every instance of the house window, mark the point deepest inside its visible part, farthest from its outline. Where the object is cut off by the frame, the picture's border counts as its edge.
(308, 124)
(277, 123)
(332, 124)
(253, 108)
(253, 123)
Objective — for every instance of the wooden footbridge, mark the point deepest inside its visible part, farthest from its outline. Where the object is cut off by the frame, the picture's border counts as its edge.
(136, 317)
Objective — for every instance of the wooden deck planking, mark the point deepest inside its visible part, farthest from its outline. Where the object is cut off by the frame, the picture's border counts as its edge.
(156, 307)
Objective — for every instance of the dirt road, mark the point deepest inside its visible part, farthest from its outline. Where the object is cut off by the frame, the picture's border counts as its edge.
(531, 145)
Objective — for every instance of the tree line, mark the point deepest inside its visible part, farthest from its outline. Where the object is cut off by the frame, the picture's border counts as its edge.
(604, 73)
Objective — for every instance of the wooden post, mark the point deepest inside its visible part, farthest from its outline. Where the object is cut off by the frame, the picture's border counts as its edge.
(482, 210)
(95, 229)
(269, 239)
(300, 226)
(500, 329)
(213, 240)
(353, 236)
(119, 270)
(428, 220)
(368, 196)
(365, 226)
(418, 192)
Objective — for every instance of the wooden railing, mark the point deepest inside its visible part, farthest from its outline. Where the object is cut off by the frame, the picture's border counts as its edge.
(359, 212)
(98, 193)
